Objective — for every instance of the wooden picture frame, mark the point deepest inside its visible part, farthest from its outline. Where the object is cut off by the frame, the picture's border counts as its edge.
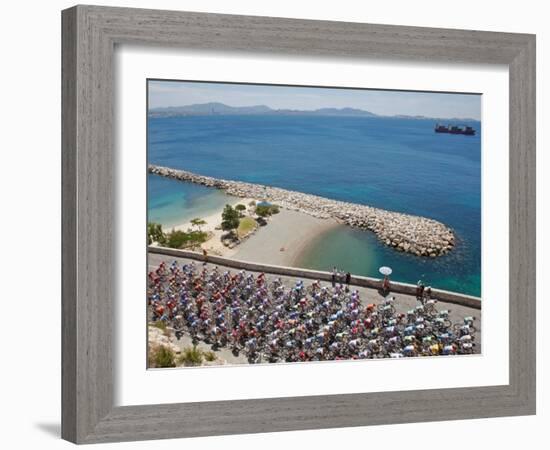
(90, 34)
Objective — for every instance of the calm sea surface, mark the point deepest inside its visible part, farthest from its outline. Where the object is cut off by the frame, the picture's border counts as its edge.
(395, 164)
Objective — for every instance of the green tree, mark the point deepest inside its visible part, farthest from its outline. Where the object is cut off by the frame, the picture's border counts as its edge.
(230, 218)
(155, 233)
(240, 208)
(198, 222)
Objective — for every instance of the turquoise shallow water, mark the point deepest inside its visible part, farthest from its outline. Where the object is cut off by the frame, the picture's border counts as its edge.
(395, 164)
(171, 202)
(361, 253)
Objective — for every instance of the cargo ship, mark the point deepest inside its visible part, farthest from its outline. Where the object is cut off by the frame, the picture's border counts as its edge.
(452, 129)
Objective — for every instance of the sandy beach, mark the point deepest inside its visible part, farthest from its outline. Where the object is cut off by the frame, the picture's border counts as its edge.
(282, 240)
(213, 221)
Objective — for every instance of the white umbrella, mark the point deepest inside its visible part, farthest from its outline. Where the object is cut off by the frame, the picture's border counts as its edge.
(385, 270)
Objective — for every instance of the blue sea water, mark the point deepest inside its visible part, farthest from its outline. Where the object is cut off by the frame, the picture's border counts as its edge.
(391, 163)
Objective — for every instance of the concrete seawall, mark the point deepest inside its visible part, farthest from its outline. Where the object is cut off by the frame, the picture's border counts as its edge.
(374, 283)
(417, 235)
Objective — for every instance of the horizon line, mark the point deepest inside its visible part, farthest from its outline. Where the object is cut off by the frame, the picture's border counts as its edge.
(149, 109)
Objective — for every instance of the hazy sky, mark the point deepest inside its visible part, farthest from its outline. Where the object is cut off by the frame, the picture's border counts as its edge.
(178, 93)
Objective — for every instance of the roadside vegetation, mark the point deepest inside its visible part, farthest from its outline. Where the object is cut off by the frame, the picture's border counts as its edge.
(161, 325)
(193, 356)
(177, 238)
(161, 356)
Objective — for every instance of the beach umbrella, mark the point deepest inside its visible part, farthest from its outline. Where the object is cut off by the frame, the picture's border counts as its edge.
(385, 270)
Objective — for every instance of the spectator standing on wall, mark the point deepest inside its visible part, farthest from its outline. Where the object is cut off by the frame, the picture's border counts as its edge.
(420, 291)
(348, 281)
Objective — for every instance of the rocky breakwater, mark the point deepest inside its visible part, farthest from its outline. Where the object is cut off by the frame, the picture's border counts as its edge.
(417, 235)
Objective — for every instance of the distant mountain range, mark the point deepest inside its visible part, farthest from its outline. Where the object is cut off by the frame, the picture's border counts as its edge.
(220, 109)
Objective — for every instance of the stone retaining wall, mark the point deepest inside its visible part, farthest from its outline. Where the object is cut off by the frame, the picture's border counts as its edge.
(374, 283)
(417, 235)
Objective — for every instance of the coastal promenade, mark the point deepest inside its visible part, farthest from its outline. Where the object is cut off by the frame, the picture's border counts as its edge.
(468, 304)
(417, 235)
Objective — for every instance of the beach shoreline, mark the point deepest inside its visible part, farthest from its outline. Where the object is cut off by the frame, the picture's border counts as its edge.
(312, 244)
(282, 241)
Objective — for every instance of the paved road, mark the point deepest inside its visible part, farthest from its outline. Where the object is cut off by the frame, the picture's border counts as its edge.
(403, 302)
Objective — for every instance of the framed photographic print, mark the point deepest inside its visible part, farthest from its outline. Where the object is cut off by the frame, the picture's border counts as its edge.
(257, 209)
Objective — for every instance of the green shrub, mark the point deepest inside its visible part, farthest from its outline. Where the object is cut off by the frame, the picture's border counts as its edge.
(159, 324)
(210, 356)
(181, 239)
(191, 356)
(161, 356)
(266, 210)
